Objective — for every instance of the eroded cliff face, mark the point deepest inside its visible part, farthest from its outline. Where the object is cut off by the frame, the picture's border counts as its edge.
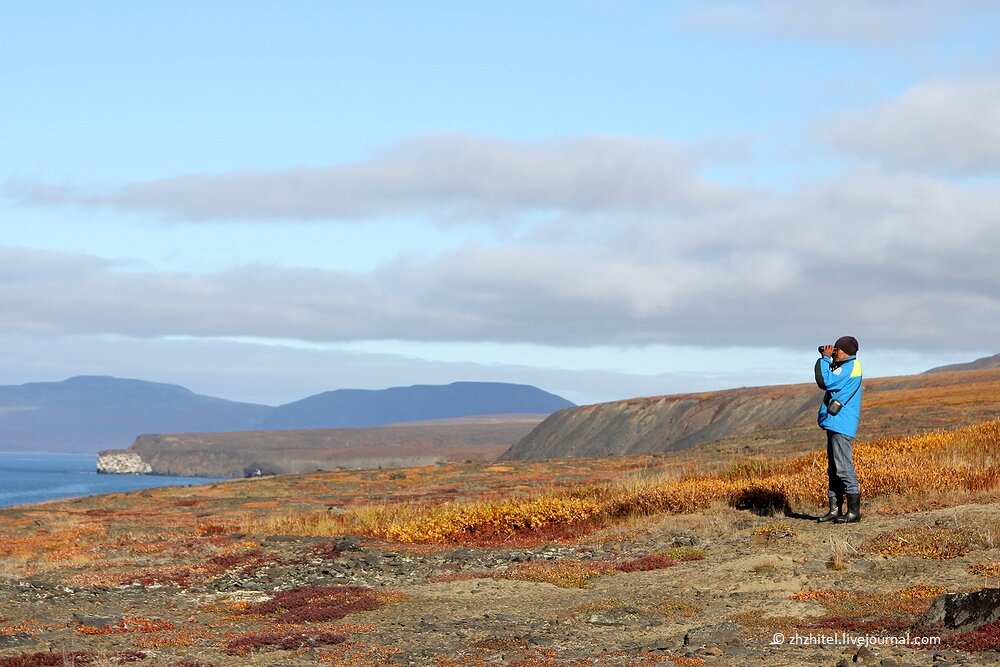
(256, 453)
(666, 423)
(122, 462)
(892, 405)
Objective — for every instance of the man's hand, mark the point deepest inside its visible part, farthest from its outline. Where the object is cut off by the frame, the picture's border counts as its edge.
(828, 350)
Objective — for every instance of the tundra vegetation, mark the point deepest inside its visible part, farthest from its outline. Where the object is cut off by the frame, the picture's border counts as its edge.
(340, 568)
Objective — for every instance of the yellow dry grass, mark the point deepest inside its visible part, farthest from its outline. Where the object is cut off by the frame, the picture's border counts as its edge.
(963, 460)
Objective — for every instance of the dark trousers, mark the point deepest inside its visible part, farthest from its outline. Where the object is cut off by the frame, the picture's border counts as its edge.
(839, 465)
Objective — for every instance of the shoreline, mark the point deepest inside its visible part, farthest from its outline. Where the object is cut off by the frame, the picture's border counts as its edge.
(39, 478)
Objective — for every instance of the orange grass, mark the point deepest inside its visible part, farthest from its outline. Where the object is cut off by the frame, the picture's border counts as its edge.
(558, 500)
(53, 544)
(930, 542)
(565, 573)
(851, 611)
(912, 599)
(989, 569)
(776, 529)
(126, 625)
(965, 459)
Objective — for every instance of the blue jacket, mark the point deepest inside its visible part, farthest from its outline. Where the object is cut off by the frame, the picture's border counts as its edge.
(843, 383)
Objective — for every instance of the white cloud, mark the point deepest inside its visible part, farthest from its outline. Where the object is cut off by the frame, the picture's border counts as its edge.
(935, 125)
(449, 177)
(884, 23)
(901, 259)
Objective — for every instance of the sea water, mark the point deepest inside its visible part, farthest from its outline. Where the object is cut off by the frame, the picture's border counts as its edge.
(36, 477)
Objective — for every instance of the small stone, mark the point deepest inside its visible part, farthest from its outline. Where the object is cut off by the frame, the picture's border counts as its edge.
(722, 634)
(944, 657)
(541, 641)
(347, 544)
(17, 639)
(864, 654)
(682, 540)
(712, 650)
(38, 584)
(401, 658)
(658, 647)
(889, 662)
(95, 621)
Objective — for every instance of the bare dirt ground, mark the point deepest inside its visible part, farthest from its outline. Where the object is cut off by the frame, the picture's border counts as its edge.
(739, 589)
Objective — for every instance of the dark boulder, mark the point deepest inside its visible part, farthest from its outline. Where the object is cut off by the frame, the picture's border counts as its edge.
(963, 611)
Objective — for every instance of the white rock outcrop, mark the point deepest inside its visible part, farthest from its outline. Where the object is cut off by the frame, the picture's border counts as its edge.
(122, 462)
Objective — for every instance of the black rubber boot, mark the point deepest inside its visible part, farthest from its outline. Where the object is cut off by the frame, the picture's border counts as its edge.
(853, 509)
(836, 509)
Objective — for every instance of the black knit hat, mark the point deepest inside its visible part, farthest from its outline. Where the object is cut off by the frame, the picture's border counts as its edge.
(848, 344)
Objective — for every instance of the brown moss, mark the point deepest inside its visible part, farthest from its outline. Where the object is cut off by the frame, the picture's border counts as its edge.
(284, 641)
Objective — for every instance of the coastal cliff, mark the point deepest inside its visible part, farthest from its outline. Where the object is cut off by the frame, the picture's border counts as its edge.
(256, 453)
(892, 405)
(122, 462)
(666, 423)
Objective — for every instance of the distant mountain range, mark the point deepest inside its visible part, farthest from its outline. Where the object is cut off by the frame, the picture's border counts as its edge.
(353, 408)
(89, 413)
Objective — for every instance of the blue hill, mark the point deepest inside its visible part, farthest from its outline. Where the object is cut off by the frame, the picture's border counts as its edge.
(351, 408)
(90, 413)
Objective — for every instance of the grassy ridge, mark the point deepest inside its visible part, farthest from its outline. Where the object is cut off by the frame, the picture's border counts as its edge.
(192, 580)
(962, 460)
(475, 502)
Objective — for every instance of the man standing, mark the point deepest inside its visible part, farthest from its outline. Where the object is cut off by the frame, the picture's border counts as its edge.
(838, 371)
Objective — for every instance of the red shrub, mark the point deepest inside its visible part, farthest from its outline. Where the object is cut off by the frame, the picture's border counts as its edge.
(646, 563)
(313, 604)
(984, 638)
(71, 659)
(48, 659)
(872, 625)
(246, 562)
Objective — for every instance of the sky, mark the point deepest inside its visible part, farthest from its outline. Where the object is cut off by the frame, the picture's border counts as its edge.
(606, 199)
